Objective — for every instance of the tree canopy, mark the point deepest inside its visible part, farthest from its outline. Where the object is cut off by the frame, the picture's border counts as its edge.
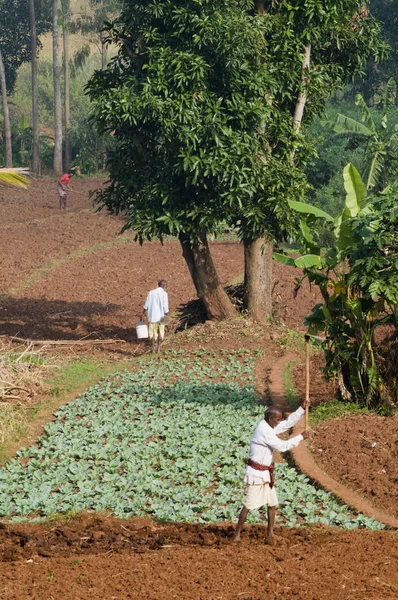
(201, 99)
(185, 98)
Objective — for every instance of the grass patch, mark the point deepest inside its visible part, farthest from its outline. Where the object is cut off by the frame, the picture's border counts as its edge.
(13, 423)
(290, 390)
(291, 340)
(334, 410)
(74, 374)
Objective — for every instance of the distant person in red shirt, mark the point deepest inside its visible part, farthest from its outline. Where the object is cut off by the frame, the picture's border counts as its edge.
(62, 186)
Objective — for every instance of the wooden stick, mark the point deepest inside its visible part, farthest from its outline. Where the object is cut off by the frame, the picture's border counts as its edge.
(307, 378)
(65, 342)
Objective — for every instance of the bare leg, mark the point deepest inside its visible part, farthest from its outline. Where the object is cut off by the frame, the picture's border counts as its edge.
(153, 344)
(271, 522)
(159, 344)
(241, 521)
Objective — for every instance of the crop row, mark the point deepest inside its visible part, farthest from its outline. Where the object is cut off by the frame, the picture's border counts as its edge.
(169, 441)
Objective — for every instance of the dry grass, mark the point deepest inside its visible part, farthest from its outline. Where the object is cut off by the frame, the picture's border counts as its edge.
(23, 373)
(23, 370)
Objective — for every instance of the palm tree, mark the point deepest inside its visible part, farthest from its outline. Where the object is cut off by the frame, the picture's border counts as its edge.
(381, 146)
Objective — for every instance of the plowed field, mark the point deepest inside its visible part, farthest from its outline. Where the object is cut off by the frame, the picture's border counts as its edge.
(66, 275)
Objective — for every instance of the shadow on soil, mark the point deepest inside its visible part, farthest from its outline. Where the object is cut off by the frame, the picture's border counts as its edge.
(194, 312)
(39, 319)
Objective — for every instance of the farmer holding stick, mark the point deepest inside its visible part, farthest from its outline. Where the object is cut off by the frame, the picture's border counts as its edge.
(62, 186)
(259, 476)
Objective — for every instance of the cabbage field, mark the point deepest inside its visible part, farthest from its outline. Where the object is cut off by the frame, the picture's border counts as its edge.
(168, 441)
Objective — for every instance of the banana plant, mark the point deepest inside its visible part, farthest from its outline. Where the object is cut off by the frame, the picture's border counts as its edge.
(381, 145)
(356, 202)
(347, 319)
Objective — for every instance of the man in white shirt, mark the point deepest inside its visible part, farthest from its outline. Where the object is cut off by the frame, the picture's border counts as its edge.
(156, 308)
(259, 476)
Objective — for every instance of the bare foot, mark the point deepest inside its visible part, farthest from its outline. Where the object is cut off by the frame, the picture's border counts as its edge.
(236, 538)
(271, 539)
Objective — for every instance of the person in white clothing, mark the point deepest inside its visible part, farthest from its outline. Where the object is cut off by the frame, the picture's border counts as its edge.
(156, 308)
(259, 476)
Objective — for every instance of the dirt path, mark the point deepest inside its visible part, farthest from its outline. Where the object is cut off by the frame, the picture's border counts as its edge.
(306, 464)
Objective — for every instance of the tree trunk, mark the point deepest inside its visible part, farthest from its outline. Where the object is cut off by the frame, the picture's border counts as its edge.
(35, 106)
(57, 91)
(65, 36)
(204, 276)
(258, 279)
(103, 52)
(7, 125)
(259, 6)
(396, 351)
(302, 97)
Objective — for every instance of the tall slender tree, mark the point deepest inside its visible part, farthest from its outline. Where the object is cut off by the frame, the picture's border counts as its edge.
(35, 105)
(66, 18)
(57, 163)
(6, 113)
(20, 31)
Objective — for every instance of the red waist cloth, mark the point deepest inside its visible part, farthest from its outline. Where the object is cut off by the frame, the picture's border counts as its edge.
(255, 465)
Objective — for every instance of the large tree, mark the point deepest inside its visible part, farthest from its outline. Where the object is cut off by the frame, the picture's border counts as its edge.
(185, 98)
(206, 100)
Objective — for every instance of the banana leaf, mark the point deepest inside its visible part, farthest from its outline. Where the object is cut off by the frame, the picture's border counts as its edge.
(309, 209)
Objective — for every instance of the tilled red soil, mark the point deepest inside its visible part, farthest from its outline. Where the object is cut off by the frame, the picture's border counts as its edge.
(103, 558)
(361, 452)
(100, 293)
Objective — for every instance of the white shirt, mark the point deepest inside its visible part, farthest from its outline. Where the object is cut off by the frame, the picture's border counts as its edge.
(265, 441)
(157, 305)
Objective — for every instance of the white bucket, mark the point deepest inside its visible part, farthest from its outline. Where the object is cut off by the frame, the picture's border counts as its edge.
(142, 331)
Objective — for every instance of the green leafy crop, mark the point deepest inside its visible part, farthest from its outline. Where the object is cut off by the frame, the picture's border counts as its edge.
(168, 441)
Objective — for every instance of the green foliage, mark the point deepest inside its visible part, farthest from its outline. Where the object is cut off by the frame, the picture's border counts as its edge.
(386, 11)
(15, 33)
(185, 98)
(381, 144)
(357, 299)
(333, 152)
(201, 98)
(168, 441)
(374, 263)
(87, 145)
(334, 409)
